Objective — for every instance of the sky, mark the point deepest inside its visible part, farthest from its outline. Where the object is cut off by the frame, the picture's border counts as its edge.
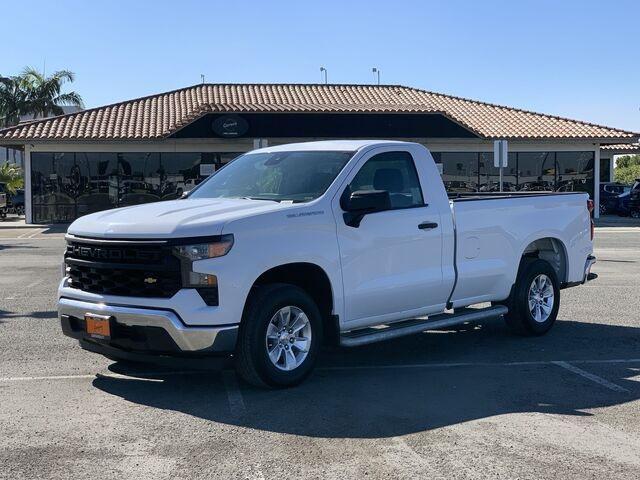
(577, 59)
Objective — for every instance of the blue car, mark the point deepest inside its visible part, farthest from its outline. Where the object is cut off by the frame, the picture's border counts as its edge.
(610, 193)
(634, 200)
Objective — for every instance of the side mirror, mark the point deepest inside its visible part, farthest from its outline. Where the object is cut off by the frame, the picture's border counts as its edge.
(361, 202)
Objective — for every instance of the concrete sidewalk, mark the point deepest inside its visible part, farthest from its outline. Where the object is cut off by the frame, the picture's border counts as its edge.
(13, 222)
(616, 221)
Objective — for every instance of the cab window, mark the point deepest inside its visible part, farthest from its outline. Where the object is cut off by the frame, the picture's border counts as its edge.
(394, 172)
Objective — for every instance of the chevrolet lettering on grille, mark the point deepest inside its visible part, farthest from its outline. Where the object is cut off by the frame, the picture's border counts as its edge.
(99, 253)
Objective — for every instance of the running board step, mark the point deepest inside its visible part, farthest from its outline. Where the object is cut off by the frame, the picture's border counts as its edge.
(364, 336)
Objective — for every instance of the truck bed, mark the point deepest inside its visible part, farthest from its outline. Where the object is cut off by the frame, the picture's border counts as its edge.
(471, 196)
(493, 230)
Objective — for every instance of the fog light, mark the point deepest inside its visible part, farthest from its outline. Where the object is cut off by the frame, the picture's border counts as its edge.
(196, 279)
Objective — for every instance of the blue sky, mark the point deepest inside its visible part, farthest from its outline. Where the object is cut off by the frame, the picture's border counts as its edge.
(572, 58)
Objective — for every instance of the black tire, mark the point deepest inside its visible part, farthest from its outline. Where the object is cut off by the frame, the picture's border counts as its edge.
(252, 359)
(520, 319)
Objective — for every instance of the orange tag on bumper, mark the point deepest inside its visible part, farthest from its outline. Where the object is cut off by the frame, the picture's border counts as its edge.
(98, 325)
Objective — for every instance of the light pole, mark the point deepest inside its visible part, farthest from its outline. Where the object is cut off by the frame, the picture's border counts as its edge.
(376, 72)
(324, 71)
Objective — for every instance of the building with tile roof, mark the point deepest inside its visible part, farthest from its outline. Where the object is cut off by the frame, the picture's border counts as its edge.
(155, 147)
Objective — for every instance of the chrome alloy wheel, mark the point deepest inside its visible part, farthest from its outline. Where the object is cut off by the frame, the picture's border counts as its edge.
(541, 298)
(288, 338)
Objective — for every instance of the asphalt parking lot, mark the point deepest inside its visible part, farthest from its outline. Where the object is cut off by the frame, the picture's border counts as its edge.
(474, 402)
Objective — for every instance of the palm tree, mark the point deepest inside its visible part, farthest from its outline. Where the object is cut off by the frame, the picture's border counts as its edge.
(44, 94)
(13, 101)
(33, 93)
(11, 176)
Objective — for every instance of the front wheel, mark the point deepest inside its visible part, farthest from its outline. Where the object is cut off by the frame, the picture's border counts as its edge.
(280, 333)
(534, 304)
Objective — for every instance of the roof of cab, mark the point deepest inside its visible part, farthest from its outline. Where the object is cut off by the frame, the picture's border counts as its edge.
(329, 145)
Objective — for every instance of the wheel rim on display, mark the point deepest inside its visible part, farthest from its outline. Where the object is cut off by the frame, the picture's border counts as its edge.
(541, 297)
(288, 338)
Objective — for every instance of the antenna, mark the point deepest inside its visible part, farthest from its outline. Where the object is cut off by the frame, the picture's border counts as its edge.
(376, 72)
(323, 70)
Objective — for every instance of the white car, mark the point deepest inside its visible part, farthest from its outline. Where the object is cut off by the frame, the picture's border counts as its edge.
(288, 246)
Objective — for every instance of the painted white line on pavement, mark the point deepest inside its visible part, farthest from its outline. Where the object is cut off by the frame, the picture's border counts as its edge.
(35, 233)
(627, 229)
(100, 375)
(592, 377)
(48, 237)
(234, 395)
(472, 364)
(229, 376)
(44, 377)
(33, 284)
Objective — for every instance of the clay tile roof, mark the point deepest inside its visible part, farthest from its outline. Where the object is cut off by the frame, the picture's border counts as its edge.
(623, 147)
(158, 116)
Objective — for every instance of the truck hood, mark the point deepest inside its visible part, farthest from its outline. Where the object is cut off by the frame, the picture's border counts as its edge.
(170, 219)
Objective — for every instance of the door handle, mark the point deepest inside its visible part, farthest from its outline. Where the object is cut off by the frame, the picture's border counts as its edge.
(427, 225)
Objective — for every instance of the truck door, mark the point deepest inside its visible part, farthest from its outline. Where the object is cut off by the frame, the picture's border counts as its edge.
(391, 262)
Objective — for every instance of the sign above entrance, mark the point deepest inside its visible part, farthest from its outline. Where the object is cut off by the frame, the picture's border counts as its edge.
(230, 126)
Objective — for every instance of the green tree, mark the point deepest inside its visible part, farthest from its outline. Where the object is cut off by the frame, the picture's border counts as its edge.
(627, 160)
(13, 101)
(33, 93)
(11, 176)
(627, 169)
(627, 175)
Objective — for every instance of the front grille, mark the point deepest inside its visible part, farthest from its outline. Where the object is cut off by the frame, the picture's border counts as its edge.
(120, 268)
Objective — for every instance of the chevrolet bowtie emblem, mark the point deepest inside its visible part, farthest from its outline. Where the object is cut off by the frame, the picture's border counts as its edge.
(150, 280)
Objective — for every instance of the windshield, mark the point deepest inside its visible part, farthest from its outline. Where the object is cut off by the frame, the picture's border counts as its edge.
(278, 176)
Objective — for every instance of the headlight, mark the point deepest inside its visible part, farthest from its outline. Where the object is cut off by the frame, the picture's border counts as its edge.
(202, 251)
(206, 284)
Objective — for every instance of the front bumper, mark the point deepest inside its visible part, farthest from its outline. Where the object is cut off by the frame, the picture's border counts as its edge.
(145, 330)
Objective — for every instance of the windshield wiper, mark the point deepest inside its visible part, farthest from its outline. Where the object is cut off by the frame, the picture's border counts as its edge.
(261, 198)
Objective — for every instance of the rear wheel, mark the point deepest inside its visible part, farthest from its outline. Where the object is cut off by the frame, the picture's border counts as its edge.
(279, 336)
(535, 300)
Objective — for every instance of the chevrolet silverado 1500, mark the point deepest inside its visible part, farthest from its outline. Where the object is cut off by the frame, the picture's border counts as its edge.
(345, 241)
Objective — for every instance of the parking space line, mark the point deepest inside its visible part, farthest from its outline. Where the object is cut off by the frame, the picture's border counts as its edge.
(100, 375)
(473, 364)
(234, 395)
(37, 232)
(33, 284)
(592, 377)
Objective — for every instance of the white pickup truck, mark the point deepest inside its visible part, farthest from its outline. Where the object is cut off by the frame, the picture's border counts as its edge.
(286, 247)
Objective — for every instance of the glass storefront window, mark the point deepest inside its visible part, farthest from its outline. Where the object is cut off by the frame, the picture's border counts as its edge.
(66, 186)
(526, 171)
(459, 171)
(536, 171)
(490, 175)
(99, 184)
(140, 176)
(575, 172)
